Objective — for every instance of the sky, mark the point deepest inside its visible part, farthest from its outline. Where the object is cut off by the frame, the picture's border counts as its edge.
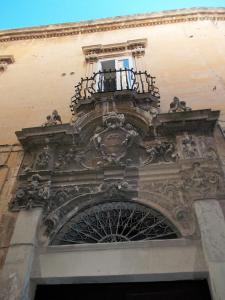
(25, 13)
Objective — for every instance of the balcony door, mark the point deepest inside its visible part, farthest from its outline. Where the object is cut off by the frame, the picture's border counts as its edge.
(115, 74)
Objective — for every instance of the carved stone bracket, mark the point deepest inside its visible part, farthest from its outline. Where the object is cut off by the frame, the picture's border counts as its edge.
(5, 60)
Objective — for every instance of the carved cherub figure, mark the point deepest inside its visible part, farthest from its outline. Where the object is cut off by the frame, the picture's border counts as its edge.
(189, 146)
(56, 117)
(178, 106)
(131, 135)
(53, 119)
(43, 158)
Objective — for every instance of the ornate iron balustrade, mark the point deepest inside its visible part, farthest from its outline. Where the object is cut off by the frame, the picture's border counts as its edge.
(114, 80)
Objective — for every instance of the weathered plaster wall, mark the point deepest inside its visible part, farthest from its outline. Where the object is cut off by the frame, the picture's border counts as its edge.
(10, 159)
(186, 58)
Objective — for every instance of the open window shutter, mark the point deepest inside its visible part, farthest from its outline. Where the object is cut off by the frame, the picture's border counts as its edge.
(125, 79)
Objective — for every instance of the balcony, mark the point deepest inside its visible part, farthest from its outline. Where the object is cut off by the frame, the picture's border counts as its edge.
(114, 81)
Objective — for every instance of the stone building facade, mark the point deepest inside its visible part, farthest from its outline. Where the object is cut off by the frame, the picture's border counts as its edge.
(123, 182)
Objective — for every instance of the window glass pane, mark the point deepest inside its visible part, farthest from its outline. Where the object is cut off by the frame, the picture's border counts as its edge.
(108, 78)
(123, 63)
(108, 64)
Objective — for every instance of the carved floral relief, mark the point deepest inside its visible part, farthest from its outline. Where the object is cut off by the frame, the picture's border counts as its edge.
(35, 193)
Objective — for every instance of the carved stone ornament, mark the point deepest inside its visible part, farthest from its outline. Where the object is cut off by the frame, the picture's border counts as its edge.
(160, 152)
(62, 194)
(195, 182)
(113, 141)
(189, 147)
(53, 119)
(201, 181)
(43, 159)
(138, 51)
(65, 199)
(178, 106)
(33, 194)
(72, 156)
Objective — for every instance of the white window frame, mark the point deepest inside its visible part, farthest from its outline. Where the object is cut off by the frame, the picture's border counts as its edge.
(116, 59)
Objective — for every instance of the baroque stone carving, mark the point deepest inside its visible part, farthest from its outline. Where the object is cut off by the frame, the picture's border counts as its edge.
(197, 181)
(160, 152)
(113, 141)
(33, 194)
(178, 106)
(189, 146)
(59, 195)
(65, 198)
(167, 195)
(43, 159)
(202, 181)
(72, 156)
(53, 119)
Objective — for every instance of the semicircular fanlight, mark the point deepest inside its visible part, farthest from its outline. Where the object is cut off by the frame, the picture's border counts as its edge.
(115, 222)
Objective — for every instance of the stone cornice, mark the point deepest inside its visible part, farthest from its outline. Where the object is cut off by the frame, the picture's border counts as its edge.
(167, 123)
(116, 23)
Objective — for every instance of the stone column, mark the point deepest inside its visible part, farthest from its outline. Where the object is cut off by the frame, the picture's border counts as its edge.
(15, 277)
(212, 226)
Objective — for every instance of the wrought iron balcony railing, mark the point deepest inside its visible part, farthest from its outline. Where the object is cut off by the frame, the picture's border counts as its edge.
(114, 80)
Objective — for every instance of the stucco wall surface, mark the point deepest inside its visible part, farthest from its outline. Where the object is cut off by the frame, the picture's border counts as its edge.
(10, 159)
(187, 59)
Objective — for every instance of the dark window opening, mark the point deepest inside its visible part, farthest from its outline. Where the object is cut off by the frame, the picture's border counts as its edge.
(175, 290)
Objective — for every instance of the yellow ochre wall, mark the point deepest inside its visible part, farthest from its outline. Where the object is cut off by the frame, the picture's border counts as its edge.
(187, 59)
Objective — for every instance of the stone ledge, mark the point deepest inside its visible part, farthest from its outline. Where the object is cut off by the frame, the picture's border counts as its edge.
(205, 120)
(115, 23)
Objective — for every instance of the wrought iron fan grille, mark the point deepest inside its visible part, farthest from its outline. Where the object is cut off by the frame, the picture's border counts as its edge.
(115, 222)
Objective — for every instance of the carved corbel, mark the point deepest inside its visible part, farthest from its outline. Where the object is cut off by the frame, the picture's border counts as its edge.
(5, 60)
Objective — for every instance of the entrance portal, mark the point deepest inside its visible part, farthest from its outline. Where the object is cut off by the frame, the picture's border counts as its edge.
(176, 290)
